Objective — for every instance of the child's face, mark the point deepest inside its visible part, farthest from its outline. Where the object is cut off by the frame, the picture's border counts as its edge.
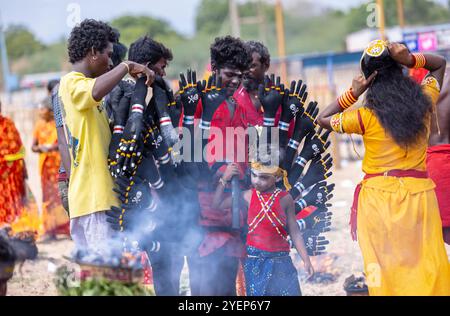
(263, 182)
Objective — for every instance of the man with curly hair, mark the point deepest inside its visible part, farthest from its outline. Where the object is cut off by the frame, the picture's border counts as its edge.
(151, 53)
(81, 91)
(221, 248)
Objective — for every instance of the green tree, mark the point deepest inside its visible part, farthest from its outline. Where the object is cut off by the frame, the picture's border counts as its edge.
(416, 12)
(133, 27)
(210, 16)
(21, 42)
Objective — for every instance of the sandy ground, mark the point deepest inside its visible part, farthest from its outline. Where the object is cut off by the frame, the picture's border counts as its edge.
(342, 260)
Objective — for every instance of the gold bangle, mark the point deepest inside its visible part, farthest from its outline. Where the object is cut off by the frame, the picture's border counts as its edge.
(419, 60)
(126, 65)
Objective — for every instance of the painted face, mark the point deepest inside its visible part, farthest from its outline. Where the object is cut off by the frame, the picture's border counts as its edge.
(231, 79)
(263, 182)
(103, 62)
(160, 67)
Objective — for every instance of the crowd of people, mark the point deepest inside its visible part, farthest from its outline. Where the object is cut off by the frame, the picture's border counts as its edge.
(231, 172)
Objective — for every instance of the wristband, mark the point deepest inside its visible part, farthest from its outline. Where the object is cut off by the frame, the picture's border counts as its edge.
(283, 126)
(137, 108)
(188, 120)
(269, 122)
(302, 204)
(301, 161)
(205, 125)
(293, 144)
(118, 129)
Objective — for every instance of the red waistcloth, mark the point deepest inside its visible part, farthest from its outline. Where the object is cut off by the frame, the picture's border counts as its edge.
(390, 173)
(438, 166)
(254, 116)
(267, 234)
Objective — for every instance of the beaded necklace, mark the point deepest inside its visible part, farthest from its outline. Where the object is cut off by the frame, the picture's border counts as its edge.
(266, 211)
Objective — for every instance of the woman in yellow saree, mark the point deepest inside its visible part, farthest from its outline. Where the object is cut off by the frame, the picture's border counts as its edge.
(395, 207)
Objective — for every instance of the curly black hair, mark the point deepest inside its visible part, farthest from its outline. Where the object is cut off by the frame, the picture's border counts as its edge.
(147, 50)
(258, 47)
(90, 34)
(399, 104)
(230, 52)
(119, 53)
(51, 84)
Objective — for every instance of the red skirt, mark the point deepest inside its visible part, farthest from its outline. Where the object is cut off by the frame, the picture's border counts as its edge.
(438, 166)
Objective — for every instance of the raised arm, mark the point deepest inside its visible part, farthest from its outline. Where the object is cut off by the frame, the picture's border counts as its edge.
(435, 64)
(106, 82)
(359, 86)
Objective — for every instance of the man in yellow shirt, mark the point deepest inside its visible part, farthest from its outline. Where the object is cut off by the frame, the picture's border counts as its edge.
(82, 91)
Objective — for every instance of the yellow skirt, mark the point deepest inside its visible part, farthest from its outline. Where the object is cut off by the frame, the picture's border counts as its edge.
(400, 236)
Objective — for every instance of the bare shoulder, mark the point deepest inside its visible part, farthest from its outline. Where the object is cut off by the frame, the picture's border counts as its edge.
(247, 195)
(286, 200)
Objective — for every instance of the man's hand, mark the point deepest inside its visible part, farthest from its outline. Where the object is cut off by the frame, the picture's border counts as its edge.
(231, 171)
(137, 71)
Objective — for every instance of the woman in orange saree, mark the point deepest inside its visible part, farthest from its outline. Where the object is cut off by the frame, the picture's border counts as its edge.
(54, 218)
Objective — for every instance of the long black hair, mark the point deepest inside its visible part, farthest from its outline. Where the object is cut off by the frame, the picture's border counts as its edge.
(399, 104)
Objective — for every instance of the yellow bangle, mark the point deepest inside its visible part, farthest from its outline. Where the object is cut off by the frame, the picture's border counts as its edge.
(420, 60)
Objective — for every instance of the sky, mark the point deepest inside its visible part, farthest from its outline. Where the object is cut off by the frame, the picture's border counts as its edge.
(48, 19)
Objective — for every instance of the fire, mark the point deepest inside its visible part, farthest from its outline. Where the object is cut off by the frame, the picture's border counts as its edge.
(28, 222)
(324, 266)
